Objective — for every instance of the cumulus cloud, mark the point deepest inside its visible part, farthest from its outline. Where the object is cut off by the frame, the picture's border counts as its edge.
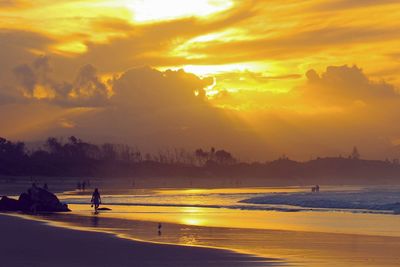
(346, 84)
(136, 87)
(26, 78)
(152, 88)
(88, 88)
(155, 109)
(35, 82)
(150, 107)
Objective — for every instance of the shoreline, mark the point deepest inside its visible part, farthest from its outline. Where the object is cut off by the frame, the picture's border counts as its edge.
(45, 244)
(290, 246)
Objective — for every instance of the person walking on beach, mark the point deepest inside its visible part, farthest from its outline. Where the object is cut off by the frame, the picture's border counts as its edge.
(96, 200)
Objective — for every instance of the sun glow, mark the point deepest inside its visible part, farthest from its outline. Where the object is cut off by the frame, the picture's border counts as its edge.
(155, 10)
(192, 221)
(71, 48)
(209, 70)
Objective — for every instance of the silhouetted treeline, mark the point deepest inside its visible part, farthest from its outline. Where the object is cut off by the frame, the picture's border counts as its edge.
(75, 157)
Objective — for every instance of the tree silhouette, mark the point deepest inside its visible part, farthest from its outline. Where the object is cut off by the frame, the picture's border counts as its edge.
(355, 154)
(201, 156)
(224, 157)
(77, 158)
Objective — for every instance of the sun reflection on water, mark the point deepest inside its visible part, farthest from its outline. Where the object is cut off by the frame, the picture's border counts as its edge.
(188, 240)
(193, 221)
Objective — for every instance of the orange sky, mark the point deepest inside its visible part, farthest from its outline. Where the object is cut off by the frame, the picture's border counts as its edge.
(261, 78)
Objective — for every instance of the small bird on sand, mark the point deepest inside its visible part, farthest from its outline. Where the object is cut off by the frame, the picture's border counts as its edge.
(159, 228)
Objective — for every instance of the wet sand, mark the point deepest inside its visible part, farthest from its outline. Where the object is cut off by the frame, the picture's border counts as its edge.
(291, 246)
(32, 243)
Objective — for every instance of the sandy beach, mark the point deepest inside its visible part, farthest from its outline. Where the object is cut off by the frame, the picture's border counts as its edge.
(202, 227)
(32, 243)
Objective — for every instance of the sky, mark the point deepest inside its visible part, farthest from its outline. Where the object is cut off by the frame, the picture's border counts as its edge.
(262, 79)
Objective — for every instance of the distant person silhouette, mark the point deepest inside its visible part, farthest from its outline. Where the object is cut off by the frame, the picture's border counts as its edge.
(315, 188)
(96, 200)
(46, 187)
(83, 186)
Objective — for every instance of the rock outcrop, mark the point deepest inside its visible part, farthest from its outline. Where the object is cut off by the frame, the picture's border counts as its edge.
(36, 200)
(8, 204)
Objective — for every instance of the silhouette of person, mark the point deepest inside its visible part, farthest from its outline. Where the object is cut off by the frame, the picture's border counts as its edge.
(83, 186)
(46, 187)
(96, 199)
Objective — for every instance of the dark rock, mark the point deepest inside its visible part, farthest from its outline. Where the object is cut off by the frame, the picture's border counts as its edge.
(8, 204)
(25, 202)
(44, 200)
(36, 200)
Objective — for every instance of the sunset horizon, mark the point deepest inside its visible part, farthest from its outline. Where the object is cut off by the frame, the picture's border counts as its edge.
(224, 133)
(304, 79)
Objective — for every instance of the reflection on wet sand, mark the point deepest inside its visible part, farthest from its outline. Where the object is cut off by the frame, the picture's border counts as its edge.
(94, 220)
(193, 226)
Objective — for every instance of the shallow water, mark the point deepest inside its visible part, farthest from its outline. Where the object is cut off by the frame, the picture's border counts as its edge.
(214, 217)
